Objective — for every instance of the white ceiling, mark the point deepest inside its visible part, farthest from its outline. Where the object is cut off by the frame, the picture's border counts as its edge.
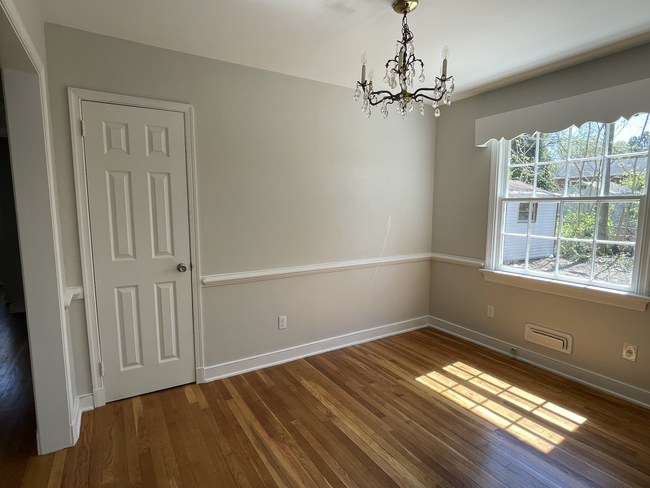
(492, 42)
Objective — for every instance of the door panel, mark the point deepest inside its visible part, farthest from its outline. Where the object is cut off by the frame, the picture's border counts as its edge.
(137, 193)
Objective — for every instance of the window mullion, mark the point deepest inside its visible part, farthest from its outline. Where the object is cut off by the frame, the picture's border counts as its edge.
(641, 274)
(565, 192)
(559, 238)
(536, 166)
(528, 229)
(593, 243)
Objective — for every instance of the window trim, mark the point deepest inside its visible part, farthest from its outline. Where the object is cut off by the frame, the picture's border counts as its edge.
(635, 299)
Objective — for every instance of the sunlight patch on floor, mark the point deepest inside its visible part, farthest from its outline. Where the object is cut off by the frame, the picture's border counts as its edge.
(503, 417)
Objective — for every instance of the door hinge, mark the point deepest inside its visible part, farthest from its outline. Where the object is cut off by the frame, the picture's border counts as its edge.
(101, 369)
(83, 128)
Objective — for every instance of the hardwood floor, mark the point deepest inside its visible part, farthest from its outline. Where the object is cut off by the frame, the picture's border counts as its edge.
(17, 414)
(364, 416)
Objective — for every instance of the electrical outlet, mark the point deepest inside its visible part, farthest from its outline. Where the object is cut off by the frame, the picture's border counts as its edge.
(629, 351)
(514, 351)
(282, 322)
(490, 311)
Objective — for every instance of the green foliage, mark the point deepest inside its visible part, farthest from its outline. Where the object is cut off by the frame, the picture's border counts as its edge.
(634, 181)
(578, 222)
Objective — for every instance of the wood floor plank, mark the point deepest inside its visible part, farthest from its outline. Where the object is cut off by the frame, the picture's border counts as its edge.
(245, 462)
(351, 418)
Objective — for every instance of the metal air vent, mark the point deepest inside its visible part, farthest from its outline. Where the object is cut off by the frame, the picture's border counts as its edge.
(554, 339)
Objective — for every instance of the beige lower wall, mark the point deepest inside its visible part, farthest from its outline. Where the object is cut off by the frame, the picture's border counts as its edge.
(462, 178)
(460, 295)
(241, 320)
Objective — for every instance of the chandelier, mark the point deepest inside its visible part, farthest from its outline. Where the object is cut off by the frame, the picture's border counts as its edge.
(400, 71)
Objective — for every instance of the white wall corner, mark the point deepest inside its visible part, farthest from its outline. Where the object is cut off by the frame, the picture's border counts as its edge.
(602, 383)
(266, 360)
(75, 424)
(82, 403)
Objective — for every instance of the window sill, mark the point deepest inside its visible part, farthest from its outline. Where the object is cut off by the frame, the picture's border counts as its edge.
(589, 293)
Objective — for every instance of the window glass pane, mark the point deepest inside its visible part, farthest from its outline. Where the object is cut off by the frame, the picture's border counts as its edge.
(554, 147)
(579, 220)
(614, 264)
(575, 259)
(618, 221)
(514, 251)
(541, 256)
(588, 141)
(584, 178)
(550, 180)
(523, 214)
(548, 225)
(522, 149)
(546, 221)
(512, 224)
(521, 181)
(631, 136)
(627, 176)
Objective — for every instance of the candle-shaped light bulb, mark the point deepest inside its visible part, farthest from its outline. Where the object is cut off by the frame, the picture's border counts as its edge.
(372, 74)
(364, 59)
(445, 55)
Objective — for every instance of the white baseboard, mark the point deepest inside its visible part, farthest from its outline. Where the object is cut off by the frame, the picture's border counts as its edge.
(82, 404)
(86, 402)
(245, 365)
(99, 397)
(611, 386)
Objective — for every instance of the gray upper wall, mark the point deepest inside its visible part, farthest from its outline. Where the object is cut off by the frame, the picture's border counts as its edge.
(290, 171)
(463, 171)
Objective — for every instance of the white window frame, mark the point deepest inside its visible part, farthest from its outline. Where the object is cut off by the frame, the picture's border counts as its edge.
(531, 215)
(636, 298)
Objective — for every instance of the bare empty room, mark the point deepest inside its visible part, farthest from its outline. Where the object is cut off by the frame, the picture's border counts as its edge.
(364, 244)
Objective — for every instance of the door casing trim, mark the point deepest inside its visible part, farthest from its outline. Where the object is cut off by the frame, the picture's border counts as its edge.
(75, 97)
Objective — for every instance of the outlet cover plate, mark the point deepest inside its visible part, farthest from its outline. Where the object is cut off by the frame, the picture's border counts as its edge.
(629, 351)
(490, 311)
(282, 322)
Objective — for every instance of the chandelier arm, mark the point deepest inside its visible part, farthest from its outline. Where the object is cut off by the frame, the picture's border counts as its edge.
(420, 96)
(385, 96)
(420, 92)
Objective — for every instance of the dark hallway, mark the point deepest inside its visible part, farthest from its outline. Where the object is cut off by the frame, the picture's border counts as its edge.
(17, 415)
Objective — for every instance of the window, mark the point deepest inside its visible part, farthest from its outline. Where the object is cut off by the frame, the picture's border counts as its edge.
(523, 214)
(570, 205)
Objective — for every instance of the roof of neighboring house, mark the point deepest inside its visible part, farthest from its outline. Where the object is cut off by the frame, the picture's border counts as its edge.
(518, 188)
(588, 168)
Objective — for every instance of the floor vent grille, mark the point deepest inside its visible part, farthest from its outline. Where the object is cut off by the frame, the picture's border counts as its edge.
(554, 339)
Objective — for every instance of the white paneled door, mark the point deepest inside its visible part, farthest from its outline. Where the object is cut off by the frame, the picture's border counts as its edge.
(137, 193)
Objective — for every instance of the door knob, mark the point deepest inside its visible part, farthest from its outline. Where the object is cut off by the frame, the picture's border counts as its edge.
(182, 267)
